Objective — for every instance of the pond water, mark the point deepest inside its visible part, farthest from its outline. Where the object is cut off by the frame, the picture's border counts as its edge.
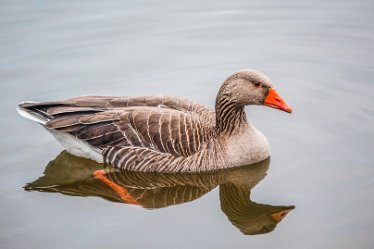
(320, 56)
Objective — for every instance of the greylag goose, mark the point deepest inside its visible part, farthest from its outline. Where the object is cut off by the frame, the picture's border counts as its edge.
(163, 133)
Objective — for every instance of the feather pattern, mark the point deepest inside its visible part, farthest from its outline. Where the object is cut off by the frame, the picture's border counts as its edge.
(160, 133)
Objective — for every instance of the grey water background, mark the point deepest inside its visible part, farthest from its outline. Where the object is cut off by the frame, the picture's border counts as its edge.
(319, 54)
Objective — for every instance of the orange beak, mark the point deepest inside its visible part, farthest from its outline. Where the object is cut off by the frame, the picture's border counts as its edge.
(278, 216)
(275, 101)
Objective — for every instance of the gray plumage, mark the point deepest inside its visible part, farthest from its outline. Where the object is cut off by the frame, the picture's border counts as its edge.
(161, 133)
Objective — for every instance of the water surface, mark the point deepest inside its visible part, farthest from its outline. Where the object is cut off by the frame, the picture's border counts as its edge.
(319, 54)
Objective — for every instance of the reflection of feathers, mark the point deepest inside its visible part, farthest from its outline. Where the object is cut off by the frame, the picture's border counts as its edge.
(72, 175)
(248, 216)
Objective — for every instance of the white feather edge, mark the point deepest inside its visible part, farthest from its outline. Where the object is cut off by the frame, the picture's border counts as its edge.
(76, 146)
(31, 115)
(72, 144)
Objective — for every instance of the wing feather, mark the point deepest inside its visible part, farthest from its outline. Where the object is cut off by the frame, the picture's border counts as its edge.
(158, 125)
(56, 110)
(96, 130)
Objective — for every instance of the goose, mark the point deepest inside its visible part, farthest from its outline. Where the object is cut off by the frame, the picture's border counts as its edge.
(163, 133)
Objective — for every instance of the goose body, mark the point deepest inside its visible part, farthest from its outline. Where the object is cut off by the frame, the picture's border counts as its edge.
(163, 133)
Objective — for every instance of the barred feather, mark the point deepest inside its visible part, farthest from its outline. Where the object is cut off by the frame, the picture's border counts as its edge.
(159, 133)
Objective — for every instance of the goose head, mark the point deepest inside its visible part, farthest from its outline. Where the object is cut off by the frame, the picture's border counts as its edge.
(251, 87)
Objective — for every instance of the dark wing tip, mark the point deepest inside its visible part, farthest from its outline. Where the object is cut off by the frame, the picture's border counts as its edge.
(34, 111)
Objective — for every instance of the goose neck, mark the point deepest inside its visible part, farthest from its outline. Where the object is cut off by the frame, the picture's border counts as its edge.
(229, 116)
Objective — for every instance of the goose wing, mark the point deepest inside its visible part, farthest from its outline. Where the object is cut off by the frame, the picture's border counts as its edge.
(159, 129)
(107, 102)
(144, 127)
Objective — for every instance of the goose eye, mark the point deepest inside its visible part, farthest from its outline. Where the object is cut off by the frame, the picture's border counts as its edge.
(257, 84)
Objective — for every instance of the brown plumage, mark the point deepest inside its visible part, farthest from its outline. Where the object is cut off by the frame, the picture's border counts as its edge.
(159, 133)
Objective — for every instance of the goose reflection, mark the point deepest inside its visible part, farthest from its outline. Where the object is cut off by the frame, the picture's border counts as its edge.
(77, 176)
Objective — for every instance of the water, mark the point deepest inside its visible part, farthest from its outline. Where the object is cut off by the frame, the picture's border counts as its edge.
(319, 55)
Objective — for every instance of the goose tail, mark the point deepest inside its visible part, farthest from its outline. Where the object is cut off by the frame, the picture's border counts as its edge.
(35, 111)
